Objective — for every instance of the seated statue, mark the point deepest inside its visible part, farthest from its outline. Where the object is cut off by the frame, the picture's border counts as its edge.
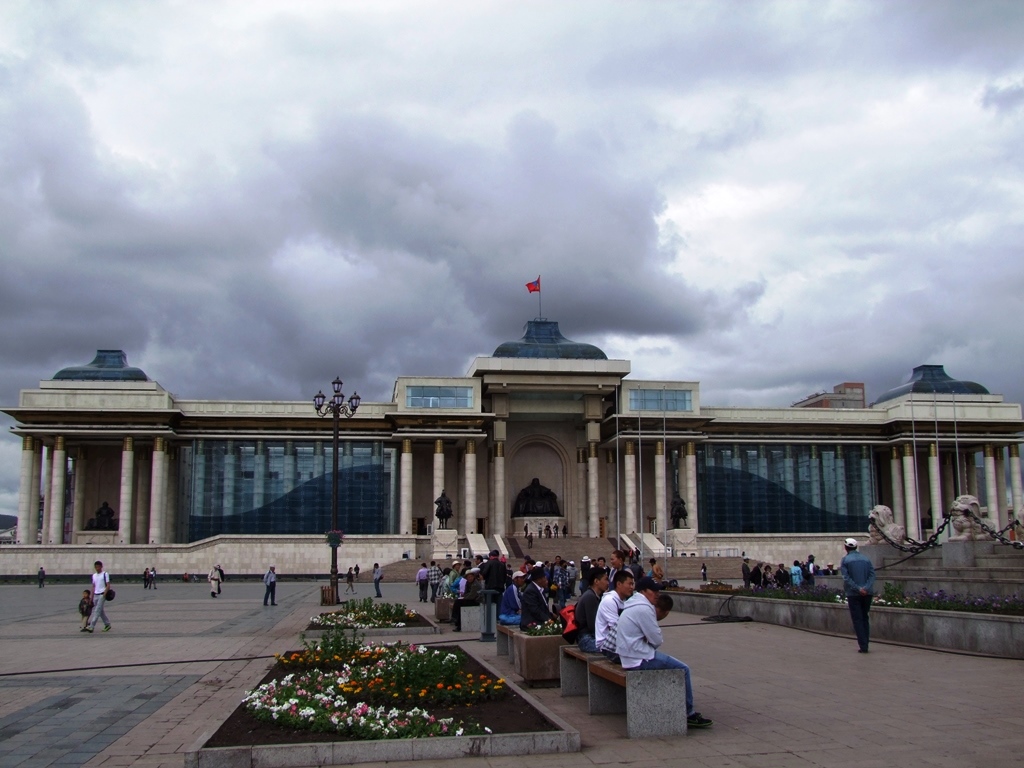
(881, 519)
(104, 520)
(678, 512)
(535, 500)
(444, 510)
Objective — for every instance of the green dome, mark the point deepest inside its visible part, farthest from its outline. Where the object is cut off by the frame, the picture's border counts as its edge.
(108, 365)
(930, 379)
(543, 340)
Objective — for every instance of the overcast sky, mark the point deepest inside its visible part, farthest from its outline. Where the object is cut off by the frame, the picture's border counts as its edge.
(252, 198)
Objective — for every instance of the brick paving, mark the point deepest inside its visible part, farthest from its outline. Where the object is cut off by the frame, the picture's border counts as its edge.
(779, 697)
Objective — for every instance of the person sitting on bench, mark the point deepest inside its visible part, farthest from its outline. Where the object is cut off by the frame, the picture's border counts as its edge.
(535, 600)
(586, 610)
(638, 636)
(609, 608)
(470, 596)
(511, 604)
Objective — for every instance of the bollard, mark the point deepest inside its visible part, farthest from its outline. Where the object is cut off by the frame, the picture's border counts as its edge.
(490, 617)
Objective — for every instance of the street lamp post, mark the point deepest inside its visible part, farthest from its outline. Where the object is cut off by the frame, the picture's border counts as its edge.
(337, 407)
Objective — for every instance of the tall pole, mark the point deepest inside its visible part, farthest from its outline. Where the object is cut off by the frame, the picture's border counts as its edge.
(337, 407)
(334, 501)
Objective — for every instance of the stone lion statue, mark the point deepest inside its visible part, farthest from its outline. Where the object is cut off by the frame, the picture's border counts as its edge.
(883, 521)
(964, 528)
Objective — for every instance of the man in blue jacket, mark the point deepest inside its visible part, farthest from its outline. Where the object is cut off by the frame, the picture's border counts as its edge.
(511, 604)
(638, 636)
(859, 583)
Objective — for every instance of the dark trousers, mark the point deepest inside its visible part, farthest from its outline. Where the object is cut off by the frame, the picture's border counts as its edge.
(859, 607)
(271, 593)
(423, 591)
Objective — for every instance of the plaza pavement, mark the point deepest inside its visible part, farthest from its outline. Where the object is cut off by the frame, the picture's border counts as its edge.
(779, 697)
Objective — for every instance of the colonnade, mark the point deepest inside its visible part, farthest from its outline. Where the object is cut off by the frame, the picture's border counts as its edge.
(146, 500)
(940, 476)
(587, 510)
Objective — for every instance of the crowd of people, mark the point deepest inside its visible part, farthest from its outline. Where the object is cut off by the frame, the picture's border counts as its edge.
(764, 575)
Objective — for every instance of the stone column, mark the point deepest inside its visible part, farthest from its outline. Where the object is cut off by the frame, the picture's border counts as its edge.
(44, 529)
(405, 489)
(593, 502)
(971, 468)
(59, 477)
(78, 508)
(1015, 479)
(489, 510)
(439, 472)
(469, 516)
(660, 498)
(629, 480)
(501, 510)
(991, 494)
(934, 486)
(171, 504)
(896, 470)
(910, 493)
(143, 492)
(842, 506)
(1001, 486)
(579, 516)
(949, 484)
(125, 516)
(158, 491)
(611, 479)
(199, 472)
(28, 454)
(691, 486)
(33, 491)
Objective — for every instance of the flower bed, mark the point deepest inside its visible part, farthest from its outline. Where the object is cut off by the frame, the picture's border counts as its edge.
(375, 692)
(366, 614)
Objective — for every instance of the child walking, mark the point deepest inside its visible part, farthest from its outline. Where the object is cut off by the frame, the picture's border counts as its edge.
(85, 606)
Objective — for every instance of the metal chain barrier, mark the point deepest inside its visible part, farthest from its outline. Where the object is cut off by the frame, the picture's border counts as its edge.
(1000, 535)
(912, 545)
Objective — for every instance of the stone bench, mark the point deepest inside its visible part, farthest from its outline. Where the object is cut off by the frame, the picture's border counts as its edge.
(506, 645)
(654, 700)
(472, 618)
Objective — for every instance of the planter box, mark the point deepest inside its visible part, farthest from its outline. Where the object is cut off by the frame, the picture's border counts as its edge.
(974, 632)
(535, 659)
(443, 608)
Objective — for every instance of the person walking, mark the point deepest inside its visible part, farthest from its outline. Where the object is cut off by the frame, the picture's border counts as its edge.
(270, 580)
(215, 577)
(100, 591)
(423, 581)
(434, 579)
(350, 581)
(152, 577)
(858, 583)
(42, 577)
(704, 572)
(378, 574)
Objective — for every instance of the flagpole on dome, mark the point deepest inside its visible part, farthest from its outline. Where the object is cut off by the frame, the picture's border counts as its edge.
(534, 287)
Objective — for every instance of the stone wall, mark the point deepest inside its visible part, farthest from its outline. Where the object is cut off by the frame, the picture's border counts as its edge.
(237, 555)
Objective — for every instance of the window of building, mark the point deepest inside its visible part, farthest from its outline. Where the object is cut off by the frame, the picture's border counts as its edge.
(439, 397)
(660, 400)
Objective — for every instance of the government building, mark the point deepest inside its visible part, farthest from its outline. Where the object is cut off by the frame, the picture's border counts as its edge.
(543, 432)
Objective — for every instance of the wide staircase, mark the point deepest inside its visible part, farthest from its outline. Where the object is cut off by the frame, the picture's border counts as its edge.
(999, 572)
(574, 548)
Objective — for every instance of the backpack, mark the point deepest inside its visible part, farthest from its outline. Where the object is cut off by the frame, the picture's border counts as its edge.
(570, 631)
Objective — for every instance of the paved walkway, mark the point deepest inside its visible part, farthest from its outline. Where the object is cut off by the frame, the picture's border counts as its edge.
(779, 697)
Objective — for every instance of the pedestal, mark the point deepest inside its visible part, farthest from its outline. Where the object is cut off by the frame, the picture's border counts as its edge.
(444, 544)
(96, 538)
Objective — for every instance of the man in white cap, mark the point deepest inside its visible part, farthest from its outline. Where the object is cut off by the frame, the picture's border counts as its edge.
(511, 603)
(859, 583)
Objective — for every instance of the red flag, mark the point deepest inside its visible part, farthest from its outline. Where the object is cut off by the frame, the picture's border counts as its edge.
(534, 286)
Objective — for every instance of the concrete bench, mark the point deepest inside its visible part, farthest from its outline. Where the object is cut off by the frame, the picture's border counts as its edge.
(471, 617)
(506, 646)
(654, 701)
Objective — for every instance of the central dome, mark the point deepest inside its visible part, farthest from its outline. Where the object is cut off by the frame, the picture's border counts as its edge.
(543, 340)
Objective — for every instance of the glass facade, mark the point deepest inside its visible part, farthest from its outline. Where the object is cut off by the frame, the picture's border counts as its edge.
(284, 487)
(660, 400)
(751, 488)
(439, 397)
